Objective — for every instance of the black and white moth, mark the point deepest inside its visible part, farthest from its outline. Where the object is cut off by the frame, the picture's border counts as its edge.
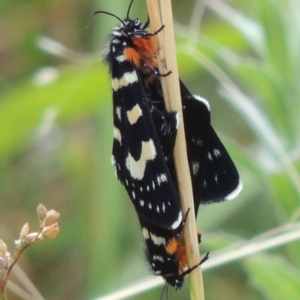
(144, 138)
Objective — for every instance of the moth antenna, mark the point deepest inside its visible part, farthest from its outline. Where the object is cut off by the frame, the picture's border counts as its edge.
(103, 12)
(168, 295)
(128, 11)
(163, 291)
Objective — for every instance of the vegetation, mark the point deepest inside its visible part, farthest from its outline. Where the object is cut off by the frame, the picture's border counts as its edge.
(56, 137)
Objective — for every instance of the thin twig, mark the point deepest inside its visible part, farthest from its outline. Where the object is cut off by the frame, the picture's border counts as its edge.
(172, 99)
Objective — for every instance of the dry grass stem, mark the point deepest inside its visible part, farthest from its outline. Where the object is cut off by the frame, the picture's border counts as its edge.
(170, 84)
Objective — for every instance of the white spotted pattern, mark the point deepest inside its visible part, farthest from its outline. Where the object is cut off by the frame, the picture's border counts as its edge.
(137, 168)
(158, 257)
(117, 135)
(177, 222)
(217, 152)
(153, 185)
(204, 101)
(197, 141)
(120, 58)
(216, 178)
(134, 114)
(146, 233)
(125, 80)
(157, 240)
(161, 178)
(118, 112)
(196, 167)
(233, 194)
(177, 120)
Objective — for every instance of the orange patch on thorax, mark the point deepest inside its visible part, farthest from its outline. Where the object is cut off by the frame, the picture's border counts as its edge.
(172, 246)
(181, 256)
(177, 248)
(143, 50)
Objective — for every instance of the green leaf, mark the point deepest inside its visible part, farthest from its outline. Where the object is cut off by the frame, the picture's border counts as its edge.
(74, 94)
(275, 277)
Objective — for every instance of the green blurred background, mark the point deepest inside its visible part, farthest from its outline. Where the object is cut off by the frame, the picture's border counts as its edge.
(56, 140)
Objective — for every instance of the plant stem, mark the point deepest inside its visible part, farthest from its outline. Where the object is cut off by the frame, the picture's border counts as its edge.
(3, 295)
(172, 97)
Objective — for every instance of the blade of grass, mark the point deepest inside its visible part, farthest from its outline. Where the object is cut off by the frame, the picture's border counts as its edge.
(266, 241)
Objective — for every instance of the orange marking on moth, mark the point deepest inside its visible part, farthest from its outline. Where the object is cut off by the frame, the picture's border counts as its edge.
(177, 248)
(143, 50)
(133, 56)
(181, 256)
(172, 246)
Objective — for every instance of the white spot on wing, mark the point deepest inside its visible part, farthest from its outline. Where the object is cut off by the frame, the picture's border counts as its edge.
(137, 167)
(134, 114)
(133, 195)
(150, 206)
(157, 209)
(177, 120)
(196, 167)
(117, 135)
(234, 193)
(157, 240)
(177, 222)
(145, 233)
(217, 152)
(197, 141)
(203, 101)
(125, 80)
(161, 178)
(209, 156)
(142, 202)
(118, 112)
(153, 185)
